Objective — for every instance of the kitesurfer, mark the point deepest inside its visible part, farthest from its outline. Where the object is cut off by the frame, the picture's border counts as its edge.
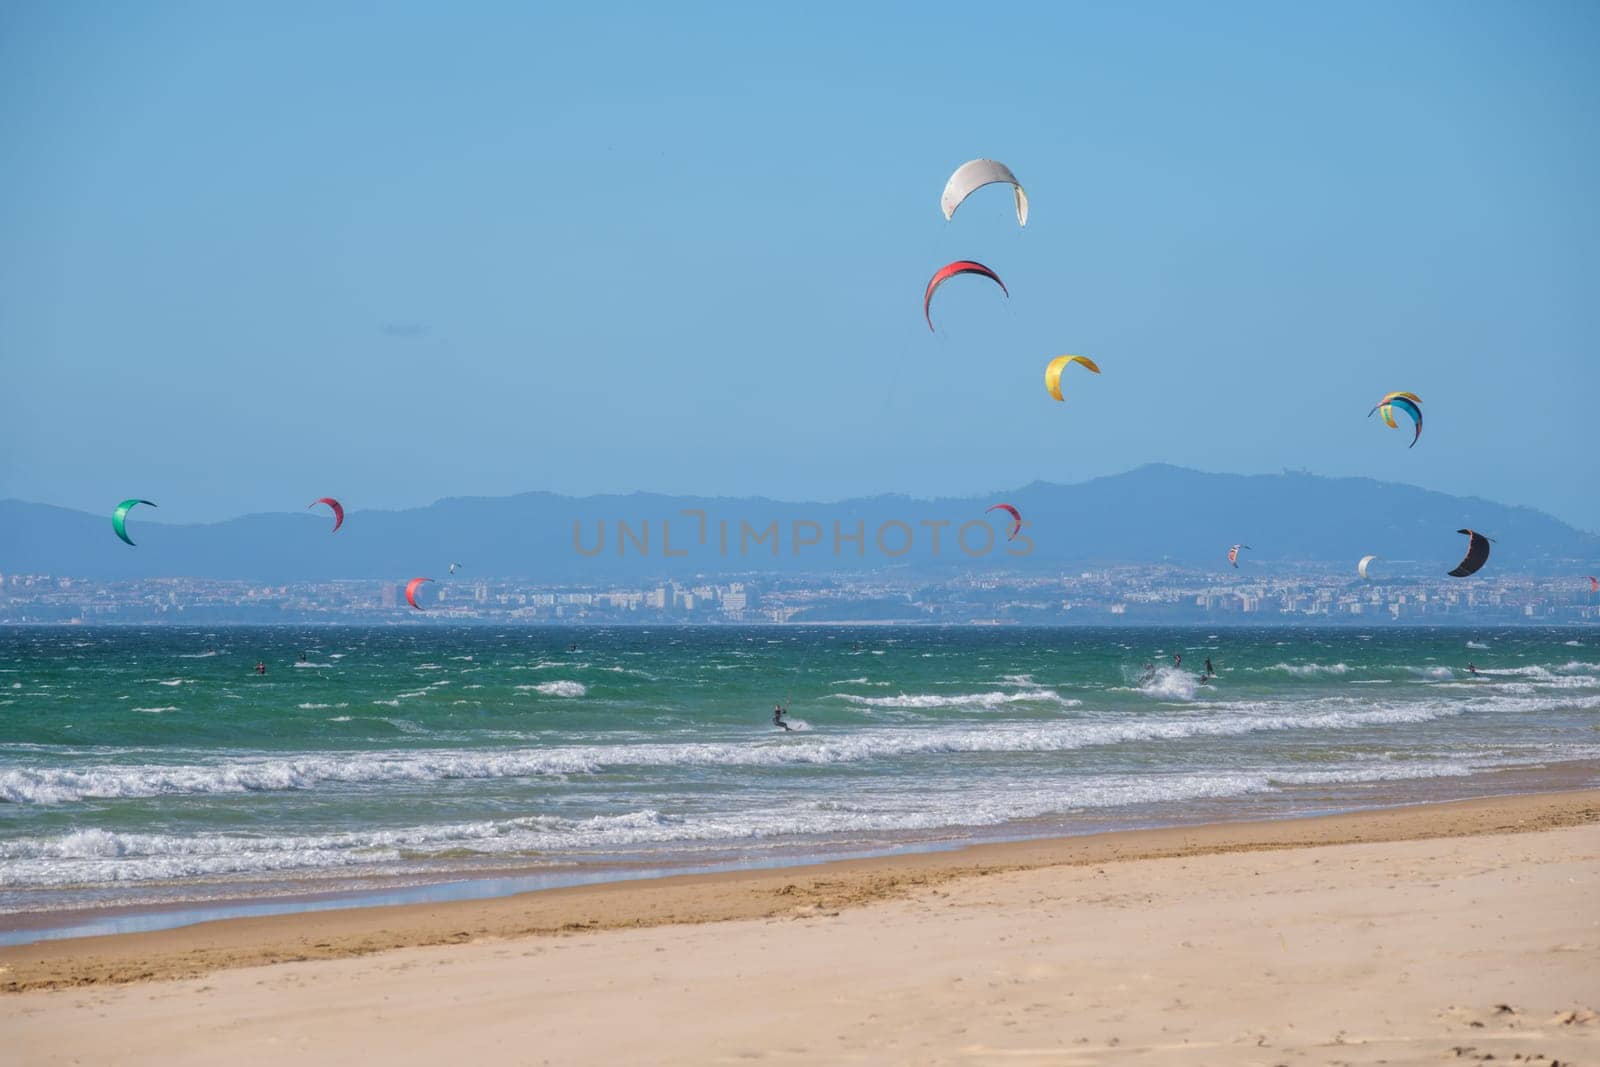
(261, 667)
(778, 713)
(1149, 673)
(1210, 673)
(1177, 659)
(1472, 669)
(303, 658)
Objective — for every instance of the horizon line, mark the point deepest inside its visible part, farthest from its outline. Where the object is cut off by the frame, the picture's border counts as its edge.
(881, 495)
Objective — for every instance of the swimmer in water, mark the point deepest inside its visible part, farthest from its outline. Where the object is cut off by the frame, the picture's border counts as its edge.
(1177, 659)
(261, 667)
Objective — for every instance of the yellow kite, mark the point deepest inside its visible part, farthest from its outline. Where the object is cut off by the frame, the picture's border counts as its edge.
(1052, 373)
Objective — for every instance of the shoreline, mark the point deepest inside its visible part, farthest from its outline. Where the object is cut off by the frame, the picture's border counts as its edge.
(25, 927)
(765, 893)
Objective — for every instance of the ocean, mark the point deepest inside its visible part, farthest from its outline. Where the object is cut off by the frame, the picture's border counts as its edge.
(151, 777)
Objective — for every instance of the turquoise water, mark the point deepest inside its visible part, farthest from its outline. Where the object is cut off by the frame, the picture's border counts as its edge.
(152, 767)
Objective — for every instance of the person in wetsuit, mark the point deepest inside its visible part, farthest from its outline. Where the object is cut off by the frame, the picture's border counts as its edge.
(1210, 671)
(778, 713)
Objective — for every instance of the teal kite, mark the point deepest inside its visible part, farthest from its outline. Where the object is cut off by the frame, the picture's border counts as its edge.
(119, 518)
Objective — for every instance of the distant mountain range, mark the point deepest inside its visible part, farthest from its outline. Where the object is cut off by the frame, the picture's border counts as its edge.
(1152, 514)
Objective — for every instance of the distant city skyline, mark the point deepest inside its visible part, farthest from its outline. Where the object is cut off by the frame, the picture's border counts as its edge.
(258, 255)
(1097, 596)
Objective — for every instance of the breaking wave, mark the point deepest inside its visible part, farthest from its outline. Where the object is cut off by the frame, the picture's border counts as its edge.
(1310, 670)
(556, 689)
(97, 856)
(961, 700)
(239, 774)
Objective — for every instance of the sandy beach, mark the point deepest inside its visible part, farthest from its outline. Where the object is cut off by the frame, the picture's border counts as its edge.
(1467, 930)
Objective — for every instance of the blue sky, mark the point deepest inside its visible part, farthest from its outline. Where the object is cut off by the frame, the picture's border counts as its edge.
(255, 254)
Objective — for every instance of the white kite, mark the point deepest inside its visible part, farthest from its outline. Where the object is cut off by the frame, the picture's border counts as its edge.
(975, 174)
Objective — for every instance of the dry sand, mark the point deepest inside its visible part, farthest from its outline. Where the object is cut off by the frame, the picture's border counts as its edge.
(1452, 932)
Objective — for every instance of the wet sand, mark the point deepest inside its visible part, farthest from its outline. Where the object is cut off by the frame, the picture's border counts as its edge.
(1460, 931)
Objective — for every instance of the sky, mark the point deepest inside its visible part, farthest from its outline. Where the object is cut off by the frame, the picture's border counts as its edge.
(251, 255)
